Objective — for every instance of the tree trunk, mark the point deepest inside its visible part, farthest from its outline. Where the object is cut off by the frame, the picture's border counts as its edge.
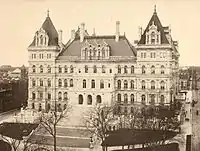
(54, 137)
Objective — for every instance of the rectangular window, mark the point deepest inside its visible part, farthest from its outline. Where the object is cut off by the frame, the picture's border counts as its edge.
(144, 55)
(141, 54)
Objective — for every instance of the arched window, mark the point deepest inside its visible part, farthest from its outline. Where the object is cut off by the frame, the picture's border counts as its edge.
(143, 99)
(65, 83)
(59, 96)
(65, 96)
(48, 107)
(153, 85)
(33, 106)
(132, 110)
(125, 69)
(40, 107)
(33, 69)
(33, 82)
(125, 98)
(59, 82)
(153, 38)
(143, 84)
(119, 69)
(98, 99)
(40, 95)
(49, 69)
(162, 99)
(86, 69)
(125, 110)
(103, 69)
(89, 101)
(33, 95)
(125, 84)
(41, 69)
(162, 70)
(119, 84)
(41, 40)
(49, 83)
(65, 69)
(132, 69)
(143, 69)
(49, 96)
(80, 99)
(71, 69)
(59, 69)
(93, 84)
(132, 99)
(103, 53)
(71, 83)
(132, 84)
(152, 69)
(59, 107)
(41, 82)
(101, 84)
(119, 98)
(94, 69)
(152, 99)
(162, 85)
(84, 83)
(65, 106)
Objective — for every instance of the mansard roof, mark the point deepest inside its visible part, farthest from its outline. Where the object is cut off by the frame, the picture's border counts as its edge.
(117, 48)
(50, 29)
(156, 21)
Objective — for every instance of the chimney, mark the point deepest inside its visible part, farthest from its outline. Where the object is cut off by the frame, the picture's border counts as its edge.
(94, 34)
(82, 32)
(72, 35)
(59, 37)
(140, 32)
(117, 31)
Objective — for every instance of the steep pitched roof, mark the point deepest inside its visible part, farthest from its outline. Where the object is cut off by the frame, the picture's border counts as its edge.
(120, 48)
(51, 32)
(160, 28)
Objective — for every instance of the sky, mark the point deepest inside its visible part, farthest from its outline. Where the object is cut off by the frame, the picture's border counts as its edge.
(20, 19)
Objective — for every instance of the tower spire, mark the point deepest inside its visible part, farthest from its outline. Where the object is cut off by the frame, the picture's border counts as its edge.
(154, 9)
(47, 12)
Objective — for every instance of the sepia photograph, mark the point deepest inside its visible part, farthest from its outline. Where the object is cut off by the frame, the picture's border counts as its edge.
(100, 75)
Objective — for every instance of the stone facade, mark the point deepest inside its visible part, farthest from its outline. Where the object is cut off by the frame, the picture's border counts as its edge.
(102, 69)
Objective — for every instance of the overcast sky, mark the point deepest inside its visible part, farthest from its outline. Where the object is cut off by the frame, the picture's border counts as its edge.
(20, 19)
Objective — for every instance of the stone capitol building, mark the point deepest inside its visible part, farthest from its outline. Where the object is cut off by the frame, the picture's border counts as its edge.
(92, 69)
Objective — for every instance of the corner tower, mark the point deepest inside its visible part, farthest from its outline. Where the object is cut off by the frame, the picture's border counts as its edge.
(157, 62)
(42, 54)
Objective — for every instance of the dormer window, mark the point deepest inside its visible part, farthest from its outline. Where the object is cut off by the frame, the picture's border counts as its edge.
(153, 39)
(41, 38)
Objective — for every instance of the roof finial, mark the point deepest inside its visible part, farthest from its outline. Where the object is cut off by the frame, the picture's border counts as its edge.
(47, 12)
(94, 33)
(154, 9)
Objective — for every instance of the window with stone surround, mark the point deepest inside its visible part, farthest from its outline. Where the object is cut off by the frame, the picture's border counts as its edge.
(84, 83)
(80, 99)
(71, 83)
(125, 84)
(41, 69)
(65, 83)
(132, 99)
(93, 83)
(101, 84)
(59, 82)
(49, 83)
(89, 101)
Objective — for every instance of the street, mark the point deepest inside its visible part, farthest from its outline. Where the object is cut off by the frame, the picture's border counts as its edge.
(8, 116)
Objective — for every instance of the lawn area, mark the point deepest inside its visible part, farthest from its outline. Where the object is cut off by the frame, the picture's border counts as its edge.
(17, 130)
(124, 137)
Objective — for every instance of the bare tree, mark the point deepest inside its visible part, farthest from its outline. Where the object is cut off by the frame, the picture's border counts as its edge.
(98, 119)
(50, 120)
